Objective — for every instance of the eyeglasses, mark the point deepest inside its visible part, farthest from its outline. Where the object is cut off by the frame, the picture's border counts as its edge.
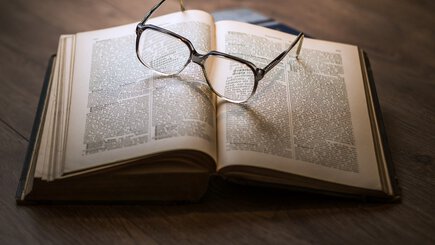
(168, 53)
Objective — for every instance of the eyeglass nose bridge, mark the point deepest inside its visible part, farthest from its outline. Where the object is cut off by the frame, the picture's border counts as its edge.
(198, 58)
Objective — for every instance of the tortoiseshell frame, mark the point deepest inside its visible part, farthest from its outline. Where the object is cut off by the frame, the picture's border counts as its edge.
(200, 59)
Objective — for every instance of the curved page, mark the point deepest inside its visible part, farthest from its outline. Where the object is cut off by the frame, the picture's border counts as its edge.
(309, 116)
(122, 110)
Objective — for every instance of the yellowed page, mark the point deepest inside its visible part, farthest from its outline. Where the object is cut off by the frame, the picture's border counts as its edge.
(65, 61)
(308, 117)
(53, 132)
(46, 143)
(122, 110)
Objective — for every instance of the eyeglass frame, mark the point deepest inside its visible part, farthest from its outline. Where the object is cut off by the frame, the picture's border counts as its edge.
(200, 59)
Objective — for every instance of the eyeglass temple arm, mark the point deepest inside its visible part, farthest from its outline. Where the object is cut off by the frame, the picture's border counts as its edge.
(299, 39)
(148, 15)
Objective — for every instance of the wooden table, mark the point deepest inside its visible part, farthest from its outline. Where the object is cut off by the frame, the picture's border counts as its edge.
(399, 37)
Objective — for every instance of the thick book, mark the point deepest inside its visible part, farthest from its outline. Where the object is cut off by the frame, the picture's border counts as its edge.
(109, 129)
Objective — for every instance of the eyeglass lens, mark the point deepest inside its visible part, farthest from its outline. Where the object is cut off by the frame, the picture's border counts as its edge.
(229, 78)
(168, 55)
(162, 52)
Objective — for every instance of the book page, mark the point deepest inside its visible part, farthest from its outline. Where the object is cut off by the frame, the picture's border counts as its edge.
(308, 116)
(122, 110)
(49, 162)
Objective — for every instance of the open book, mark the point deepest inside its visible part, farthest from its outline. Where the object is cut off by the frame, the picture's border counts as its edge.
(111, 129)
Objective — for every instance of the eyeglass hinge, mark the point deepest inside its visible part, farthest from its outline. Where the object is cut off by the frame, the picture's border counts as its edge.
(139, 28)
(260, 73)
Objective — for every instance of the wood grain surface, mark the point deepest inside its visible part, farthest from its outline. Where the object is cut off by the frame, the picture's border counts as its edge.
(399, 37)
